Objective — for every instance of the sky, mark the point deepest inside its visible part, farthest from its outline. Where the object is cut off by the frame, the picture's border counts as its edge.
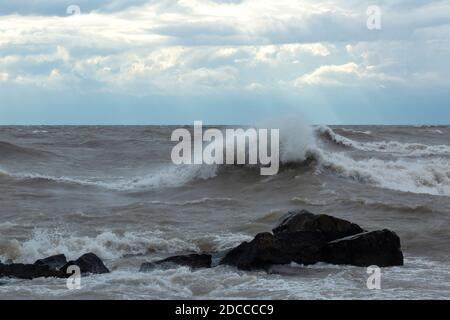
(224, 61)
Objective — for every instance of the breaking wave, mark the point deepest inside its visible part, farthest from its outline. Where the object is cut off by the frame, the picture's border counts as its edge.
(300, 145)
(431, 176)
(114, 245)
(368, 133)
(203, 200)
(169, 177)
(394, 147)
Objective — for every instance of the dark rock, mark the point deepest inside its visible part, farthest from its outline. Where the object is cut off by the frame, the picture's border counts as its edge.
(88, 263)
(267, 249)
(331, 227)
(194, 261)
(380, 248)
(55, 262)
(28, 271)
(48, 267)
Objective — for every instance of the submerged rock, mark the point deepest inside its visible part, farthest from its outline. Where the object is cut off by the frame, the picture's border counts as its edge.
(28, 271)
(54, 266)
(380, 248)
(267, 249)
(55, 262)
(302, 220)
(194, 261)
(88, 263)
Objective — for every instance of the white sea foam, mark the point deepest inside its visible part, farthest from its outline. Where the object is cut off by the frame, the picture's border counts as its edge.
(412, 149)
(356, 131)
(394, 147)
(107, 244)
(113, 245)
(170, 176)
(430, 176)
(196, 201)
(320, 281)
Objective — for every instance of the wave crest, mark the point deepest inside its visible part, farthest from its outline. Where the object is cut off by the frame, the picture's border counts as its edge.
(394, 147)
(114, 245)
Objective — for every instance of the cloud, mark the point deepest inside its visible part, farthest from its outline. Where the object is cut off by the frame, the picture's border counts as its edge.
(232, 48)
(52, 80)
(349, 74)
(4, 76)
(159, 69)
(328, 75)
(254, 86)
(60, 53)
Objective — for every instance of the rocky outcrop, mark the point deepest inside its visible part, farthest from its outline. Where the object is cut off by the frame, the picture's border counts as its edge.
(380, 248)
(332, 228)
(301, 237)
(88, 263)
(307, 238)
(193, 261)
(55, 262)
(54, 266)
(28, 271)
(267, 249)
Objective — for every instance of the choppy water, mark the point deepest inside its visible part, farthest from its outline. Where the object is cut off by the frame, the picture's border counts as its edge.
(115, 192)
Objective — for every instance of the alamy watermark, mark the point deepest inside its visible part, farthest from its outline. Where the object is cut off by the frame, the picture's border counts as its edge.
(73, 282)
(73, 10)
(374, 280)
(373, 18)
(236, 146)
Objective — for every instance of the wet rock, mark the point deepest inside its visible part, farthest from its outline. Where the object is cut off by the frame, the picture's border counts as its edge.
(194, 261)
(267, 249)
(55, 262)
(88, 263)
(54, 266)
(380, 248)
(28, 271)
(303, 220)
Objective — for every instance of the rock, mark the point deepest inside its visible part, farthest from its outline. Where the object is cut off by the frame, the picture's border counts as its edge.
(380, 248)
(88, 263)
(267, 249)
(194, 261)
(28, 271)
(54, 266)
(331, 227)
(55, 262)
